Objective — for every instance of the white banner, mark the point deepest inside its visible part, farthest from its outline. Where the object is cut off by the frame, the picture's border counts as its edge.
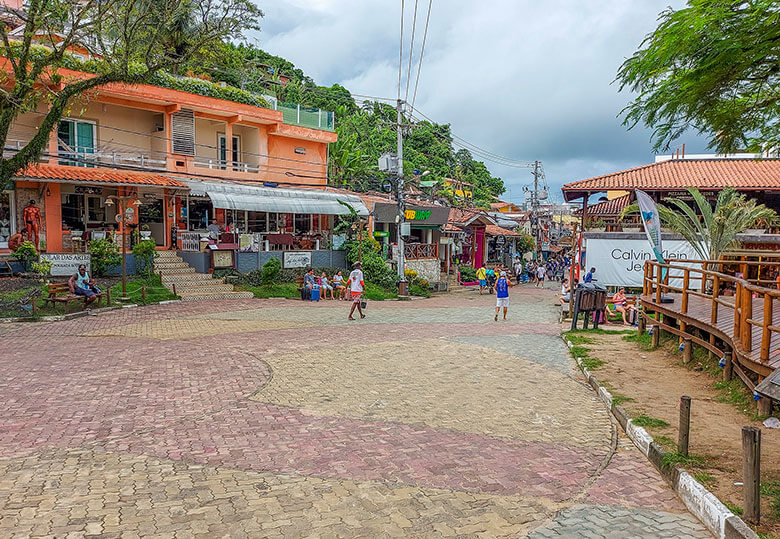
(296, 259)
(620, 262)
(66, 264)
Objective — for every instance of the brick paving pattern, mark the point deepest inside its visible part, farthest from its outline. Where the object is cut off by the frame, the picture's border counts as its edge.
(275, 418)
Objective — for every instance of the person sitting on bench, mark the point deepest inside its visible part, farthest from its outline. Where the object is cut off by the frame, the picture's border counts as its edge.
(620, 301)
(81, 284)
(309, 282)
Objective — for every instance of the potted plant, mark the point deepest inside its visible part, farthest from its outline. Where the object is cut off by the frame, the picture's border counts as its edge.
(146, 232)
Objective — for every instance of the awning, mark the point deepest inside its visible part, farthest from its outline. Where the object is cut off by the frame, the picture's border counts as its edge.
(230, 195)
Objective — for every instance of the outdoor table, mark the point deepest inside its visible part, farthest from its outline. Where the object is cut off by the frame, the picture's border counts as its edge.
(285, 240)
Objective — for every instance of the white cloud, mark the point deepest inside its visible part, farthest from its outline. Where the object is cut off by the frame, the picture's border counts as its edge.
(528, 80)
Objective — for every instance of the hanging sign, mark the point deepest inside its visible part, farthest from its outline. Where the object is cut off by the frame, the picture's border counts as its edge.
(381, 234)
(296, 259)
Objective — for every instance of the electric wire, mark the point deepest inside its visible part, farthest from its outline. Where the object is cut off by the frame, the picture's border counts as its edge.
(411, 51)
(401, 51)
(422, 52)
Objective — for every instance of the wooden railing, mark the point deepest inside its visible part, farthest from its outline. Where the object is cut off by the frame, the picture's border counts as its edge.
(696, 278)
(414, 251)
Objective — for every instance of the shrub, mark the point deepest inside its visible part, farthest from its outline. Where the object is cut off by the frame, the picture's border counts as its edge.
(104, 255)
(467, 273)
(26, 253)
(417, 290)
(42, 267)
(144, 253)
(375, 269)
(271, 271)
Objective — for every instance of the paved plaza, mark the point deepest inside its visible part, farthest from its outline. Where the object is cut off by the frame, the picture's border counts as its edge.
(277, 418)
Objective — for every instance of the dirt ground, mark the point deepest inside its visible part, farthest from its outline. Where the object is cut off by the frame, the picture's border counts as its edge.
(655, 380)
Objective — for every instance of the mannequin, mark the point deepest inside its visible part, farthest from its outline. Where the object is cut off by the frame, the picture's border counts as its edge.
(31, 216)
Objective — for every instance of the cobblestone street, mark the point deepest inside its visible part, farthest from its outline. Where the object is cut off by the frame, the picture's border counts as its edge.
(275, 418)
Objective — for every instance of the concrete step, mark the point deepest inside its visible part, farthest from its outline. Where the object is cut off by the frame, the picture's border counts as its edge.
(197, 288)
(167, 254)
(188, 278)
(216, 295)
(178, 268)
(170, 263)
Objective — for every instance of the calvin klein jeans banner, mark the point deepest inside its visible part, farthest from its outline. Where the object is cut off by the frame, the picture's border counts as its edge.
(621, 262)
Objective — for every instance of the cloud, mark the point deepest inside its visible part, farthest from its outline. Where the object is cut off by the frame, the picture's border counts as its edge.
(527, 80)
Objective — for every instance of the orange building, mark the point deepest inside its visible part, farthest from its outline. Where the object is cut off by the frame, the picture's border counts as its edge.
(148, 142)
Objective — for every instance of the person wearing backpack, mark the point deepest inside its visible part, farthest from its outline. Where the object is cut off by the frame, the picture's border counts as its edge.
(502, 294)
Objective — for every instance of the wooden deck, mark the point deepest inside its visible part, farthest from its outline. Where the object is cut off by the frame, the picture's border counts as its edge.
(699, 314)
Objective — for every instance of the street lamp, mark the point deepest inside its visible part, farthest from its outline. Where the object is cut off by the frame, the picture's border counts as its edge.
(124, 216)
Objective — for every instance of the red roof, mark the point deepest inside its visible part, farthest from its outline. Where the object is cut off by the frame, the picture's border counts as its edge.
(97, 175)
(606, 208)
(674, 174)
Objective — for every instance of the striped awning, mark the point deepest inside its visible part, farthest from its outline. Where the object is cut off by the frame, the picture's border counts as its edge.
(230, 195)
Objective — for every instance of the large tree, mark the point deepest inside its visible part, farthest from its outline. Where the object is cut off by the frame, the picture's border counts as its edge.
(129, 40)
(713, 67)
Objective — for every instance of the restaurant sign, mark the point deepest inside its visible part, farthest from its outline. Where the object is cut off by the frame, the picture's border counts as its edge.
(417, 215)
(66, 264)
(296, 259)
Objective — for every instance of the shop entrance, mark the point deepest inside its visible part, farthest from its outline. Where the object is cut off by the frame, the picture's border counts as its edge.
(151, 217)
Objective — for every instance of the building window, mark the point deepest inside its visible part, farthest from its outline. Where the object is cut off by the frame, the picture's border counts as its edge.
(96, 212)
(258, 221)
(73, 211)
(198, 211)
(76, 139)
(302, 223)
(235, 154)
(7, 224)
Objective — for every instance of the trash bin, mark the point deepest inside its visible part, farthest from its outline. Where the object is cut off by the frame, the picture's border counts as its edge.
(586, 296)
(599, 297)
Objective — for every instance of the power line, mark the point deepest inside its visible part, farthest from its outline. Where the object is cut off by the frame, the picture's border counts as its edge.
(422, 51)
(411, 50)
(401, 51)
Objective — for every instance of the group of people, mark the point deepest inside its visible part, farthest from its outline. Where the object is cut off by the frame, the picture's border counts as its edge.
(338, 287)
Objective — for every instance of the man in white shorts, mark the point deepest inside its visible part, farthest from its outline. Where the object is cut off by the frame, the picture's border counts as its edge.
(502, 294)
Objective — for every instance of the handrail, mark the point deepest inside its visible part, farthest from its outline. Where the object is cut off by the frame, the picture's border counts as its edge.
(701, 282)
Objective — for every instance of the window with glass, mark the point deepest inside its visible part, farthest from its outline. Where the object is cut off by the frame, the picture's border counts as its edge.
(6, 223)
(258, 221)
(73, 211)
(96, 211)
(76, 139)
(302, 223)
(199, 213)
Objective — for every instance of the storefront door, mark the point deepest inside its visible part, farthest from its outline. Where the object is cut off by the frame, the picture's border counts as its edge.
(479, 244)
(151, 214)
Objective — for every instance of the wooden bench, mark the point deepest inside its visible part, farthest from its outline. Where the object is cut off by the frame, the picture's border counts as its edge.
(60, 293)
(630, 300)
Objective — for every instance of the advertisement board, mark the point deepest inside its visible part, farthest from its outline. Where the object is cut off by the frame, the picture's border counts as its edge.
(621, 262)
(296, 259)
(66, 264)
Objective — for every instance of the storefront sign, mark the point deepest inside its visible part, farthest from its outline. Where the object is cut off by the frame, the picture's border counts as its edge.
(66, 264)
(431, 215)
(296, 259)
(221, 259)
(417, 215)
(620, 262)
(381, 234)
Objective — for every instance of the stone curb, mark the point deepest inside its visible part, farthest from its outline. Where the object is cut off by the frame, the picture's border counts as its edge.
(700, 502)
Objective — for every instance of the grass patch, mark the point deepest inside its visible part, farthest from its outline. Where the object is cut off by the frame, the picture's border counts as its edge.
(644, 340)
(618, 399)
(734, 392)
(588, 362)
(576, 337)
(737, 510)
(375, 292)
(664, 441)
(283, 290)
(704, 478)
(649, 422)
(155, 291)
(771, 489)
(599, 331)
(674, 458)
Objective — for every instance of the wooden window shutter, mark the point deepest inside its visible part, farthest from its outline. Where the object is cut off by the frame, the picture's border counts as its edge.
(183, 132)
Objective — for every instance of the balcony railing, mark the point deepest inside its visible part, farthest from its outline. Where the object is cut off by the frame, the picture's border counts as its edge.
(306, 116)
(416, 251)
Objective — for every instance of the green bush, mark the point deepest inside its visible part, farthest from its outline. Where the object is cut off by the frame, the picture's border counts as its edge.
(42, 267)
(26, 253)
(271, 271)
(222, 273)
(104, 255)
(417, 290)
(144, 253)
(375, 269)
(376, 293)
(467, 273)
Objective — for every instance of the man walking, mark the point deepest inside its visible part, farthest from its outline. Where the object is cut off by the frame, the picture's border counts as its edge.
(482, 278)
(540, 273)
(502, 294)
(356, 285)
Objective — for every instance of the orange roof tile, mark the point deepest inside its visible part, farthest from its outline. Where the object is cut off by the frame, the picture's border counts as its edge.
(494, 230)
(608, 207)
(742, 174)
(97, 175)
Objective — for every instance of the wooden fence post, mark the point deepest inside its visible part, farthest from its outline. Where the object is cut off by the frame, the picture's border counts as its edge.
(728, 368)
(766, 334)
(687, 351)
(685, 425)
(737, 311)
(715, 294)
(751, 473)
(746, 328)
(143, 292)
(656, 335)
(686, 284)
(641, 321)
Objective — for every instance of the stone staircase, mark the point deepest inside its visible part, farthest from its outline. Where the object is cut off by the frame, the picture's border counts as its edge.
(191, 286)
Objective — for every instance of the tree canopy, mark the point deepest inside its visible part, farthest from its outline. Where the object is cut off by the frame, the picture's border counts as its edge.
(131, 40)
(711, 67)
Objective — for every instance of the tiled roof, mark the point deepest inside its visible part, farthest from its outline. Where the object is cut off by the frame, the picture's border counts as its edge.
(97, 175)
(494, 230)
(459, 215)
(608, 207)
(743, 174)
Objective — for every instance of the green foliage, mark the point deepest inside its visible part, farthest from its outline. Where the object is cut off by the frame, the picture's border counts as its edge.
(664, 441)
(734, 392)
(737, 510)
(155, 291)
(375, 269)
(575, 337)
(618, 399)
(710, 67)
(526, 243)
(26, 253)
(704, 478)
(104, 254)
(42, 267)
(271, 271)
(646, 421)
(144, 253)
(417, 290)
(771, 489)
(375, 292)
(716, 231)
(674, 458)
(467, 274)
(590, 363)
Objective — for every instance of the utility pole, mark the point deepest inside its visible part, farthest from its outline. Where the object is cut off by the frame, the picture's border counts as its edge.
(535, 210)
(400, 200)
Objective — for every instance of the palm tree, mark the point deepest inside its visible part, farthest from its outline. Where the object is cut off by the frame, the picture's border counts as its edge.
(711, 231)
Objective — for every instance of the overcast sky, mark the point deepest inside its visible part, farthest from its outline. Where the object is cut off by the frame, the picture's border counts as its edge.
(523, 79)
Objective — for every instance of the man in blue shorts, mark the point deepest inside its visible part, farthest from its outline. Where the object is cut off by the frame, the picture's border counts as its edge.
(502, 294)
(81, 284)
